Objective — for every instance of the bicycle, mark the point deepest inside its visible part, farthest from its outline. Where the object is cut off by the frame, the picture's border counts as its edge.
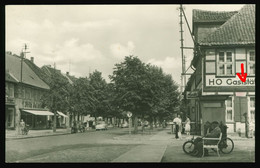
(226, 145)
(26, 130)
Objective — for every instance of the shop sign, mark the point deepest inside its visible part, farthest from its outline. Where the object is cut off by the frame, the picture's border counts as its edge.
(240, 94)
(229, 81)
(192, 94)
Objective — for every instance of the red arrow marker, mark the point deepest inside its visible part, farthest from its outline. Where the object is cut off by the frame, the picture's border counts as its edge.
(243, 75)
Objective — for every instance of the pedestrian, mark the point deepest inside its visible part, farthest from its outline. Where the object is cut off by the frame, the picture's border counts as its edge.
(180, 127)
(22, 126)
(177, 122)
(164, 123)
(187, 125)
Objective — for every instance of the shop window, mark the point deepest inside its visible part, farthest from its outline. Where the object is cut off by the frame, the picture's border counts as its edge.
(225, 63)
(252, 109)
(11, 90)
(229, 110)
(251, 62)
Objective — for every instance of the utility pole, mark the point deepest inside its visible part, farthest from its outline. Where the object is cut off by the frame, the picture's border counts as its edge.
(23, 55)
(54, 105)
(183, 78)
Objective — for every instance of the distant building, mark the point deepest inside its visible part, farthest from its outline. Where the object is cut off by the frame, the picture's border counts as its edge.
(214, 91)
(64, 118)
(23, 95)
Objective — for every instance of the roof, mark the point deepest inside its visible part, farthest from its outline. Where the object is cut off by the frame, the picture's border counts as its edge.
(48, 71)
(211, 16)
(68, 78)
(13, 69)
(238, 30)
(10, 78)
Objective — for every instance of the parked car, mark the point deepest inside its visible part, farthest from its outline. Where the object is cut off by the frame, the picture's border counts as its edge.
(101, 125)
(125, 125)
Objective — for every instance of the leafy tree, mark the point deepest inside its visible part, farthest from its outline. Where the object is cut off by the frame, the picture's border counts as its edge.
(55, 99)
(99, 94)
(82, 100)
(144, 89)
(132, 88)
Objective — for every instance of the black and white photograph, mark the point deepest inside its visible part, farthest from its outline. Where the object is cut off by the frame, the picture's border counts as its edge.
(130, 83)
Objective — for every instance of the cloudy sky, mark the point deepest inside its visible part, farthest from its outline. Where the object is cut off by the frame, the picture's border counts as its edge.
(82, 38)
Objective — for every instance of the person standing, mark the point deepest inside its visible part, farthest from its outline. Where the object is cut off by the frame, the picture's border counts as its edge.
(164, 124)
(22, 126)
(180, 127)
(177, 122)
(187, 126)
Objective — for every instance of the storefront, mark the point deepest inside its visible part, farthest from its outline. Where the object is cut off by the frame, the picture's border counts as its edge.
(9, 116)
(221, 55)
(36, 119)
(63, 120)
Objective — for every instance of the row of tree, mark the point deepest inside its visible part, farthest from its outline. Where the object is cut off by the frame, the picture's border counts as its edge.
(143, 89)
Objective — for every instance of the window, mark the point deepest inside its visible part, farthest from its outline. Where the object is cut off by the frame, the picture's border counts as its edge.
(251, 116)
(6, 90)
(23, 92)
(11, 90)
(225, 63)
(251, 62)
(229, 110)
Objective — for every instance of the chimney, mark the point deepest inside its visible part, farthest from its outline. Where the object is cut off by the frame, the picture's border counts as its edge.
(32, 59)
(67, 73)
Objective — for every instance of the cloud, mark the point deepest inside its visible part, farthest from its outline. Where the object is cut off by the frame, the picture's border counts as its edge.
(167, 63)
(170, 65)
(71, 55)
(120, 51)
(67, 26)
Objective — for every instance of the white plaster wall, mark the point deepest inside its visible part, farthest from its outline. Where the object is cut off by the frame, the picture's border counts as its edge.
(230, 128)
(241, 126)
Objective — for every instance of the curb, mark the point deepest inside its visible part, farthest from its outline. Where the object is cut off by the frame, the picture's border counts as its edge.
(26, 137)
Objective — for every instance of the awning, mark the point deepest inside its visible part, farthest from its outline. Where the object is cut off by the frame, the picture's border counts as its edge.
(37, 112)
(61, 114)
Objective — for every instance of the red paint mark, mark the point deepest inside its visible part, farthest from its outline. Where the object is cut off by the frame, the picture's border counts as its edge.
(243, 75)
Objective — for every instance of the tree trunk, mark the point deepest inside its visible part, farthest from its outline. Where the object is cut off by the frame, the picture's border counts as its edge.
(118, 122)
(78, 117)
(95, 119)
(74, 117)
(160, 121)
(151, 123)
(54, 121)
(142, 121)
(135, 124)
(155, 122)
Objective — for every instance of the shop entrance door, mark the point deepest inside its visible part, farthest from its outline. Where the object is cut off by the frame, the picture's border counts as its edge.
(9, 118)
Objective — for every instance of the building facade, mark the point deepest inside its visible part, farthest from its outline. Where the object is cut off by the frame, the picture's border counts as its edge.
(24, 90)
(225, 40)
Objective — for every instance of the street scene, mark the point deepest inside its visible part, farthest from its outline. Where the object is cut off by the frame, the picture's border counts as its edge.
(130, 83)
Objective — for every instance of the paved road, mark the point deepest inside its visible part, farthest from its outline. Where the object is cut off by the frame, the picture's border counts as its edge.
(115, 145)
(71, 147)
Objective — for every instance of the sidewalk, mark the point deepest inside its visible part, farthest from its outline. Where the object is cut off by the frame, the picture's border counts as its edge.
(151, 151)
(12, 134)
(154, 145)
